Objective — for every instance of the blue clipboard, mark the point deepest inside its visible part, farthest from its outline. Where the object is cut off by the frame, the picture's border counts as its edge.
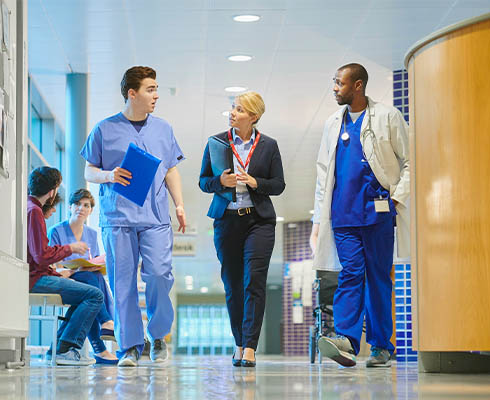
(143, 166)
(221, 157)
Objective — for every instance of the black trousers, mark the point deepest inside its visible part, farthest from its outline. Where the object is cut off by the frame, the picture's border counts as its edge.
(244, 248)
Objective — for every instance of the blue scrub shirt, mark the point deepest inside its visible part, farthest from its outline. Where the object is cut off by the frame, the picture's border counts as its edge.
(62, 234)
(105, 148)
(356, 187)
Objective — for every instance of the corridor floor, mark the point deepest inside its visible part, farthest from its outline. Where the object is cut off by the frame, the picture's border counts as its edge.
(193, 377)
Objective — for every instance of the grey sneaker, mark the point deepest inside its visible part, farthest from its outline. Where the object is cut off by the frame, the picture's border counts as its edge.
(130, 358)
(146, 349)
(379, 358)
(73, 357)
(158, 351)
(339, 349)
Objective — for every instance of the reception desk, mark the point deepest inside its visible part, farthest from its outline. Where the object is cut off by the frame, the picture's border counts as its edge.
(449, 88)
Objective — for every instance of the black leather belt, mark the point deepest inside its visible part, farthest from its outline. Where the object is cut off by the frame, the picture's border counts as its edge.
(241, 211)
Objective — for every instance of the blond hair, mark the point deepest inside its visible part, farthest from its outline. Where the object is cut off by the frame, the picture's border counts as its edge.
(253, 103)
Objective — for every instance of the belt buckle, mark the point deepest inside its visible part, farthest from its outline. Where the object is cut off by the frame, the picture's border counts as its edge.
(245, 210)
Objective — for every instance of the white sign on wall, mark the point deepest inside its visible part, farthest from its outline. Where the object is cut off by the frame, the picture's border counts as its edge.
(184, 248)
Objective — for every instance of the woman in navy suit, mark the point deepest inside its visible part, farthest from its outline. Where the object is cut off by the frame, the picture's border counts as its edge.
(244, 230)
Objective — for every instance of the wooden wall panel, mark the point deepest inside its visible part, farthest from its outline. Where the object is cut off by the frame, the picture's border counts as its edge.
(450, 117)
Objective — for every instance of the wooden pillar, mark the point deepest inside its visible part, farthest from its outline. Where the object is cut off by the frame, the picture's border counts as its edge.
(449, 80)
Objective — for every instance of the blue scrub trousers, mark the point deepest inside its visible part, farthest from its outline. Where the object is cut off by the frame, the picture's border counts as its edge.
(365, 287)
(124, 246)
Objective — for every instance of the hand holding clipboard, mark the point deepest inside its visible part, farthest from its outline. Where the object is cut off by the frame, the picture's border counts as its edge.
(121, 176)
(142, 167)
(221, 157)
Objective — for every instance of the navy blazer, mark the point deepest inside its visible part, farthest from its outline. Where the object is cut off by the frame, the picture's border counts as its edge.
(265, 166)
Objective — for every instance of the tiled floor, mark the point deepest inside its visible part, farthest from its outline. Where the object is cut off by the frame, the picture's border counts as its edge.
(190, 377)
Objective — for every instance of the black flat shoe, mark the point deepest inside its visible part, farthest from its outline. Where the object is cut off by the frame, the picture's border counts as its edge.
(235, 362)
(248, 363)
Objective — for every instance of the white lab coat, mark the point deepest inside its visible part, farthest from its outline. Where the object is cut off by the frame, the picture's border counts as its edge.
(390, 164)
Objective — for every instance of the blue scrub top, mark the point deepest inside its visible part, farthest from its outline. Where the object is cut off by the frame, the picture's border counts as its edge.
(105, 148)
(356, 186)
(61, 233)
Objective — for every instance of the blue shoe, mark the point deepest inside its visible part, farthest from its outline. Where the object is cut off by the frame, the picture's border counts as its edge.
(236, 362)
(107, 334)
(102, 360)
(248, 363)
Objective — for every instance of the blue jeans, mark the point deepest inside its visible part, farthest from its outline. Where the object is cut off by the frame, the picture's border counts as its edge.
(106, 312)
(85, 302)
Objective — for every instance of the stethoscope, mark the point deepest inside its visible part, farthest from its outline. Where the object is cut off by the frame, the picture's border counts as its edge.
(366, 133)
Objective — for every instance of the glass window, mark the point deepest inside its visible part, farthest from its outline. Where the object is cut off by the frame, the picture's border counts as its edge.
(33, 159)
(36, 132)
(204, 329)
(59, 157)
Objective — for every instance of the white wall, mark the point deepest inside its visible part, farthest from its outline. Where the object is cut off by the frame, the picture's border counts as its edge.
(7, 98)
(14, 289)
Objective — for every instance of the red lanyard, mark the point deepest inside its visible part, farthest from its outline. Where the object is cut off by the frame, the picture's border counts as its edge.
(257, 137)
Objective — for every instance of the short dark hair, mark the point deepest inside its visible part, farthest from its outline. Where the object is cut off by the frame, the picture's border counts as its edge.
(357, 72)
(42, 180)
(133, 77)
(48, 206)
(80, 194)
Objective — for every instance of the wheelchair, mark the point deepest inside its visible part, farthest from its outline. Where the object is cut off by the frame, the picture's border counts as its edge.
(324, 285)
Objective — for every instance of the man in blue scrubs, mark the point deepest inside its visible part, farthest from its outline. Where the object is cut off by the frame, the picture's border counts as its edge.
(363, 174)
(130, 231)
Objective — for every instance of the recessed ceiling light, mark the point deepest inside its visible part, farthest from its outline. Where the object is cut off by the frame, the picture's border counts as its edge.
(279, 219)
(204, 289)
(235, 89)
(246, 18)
(189, 287)
(312, 212)
(239, 57)
(225, 113)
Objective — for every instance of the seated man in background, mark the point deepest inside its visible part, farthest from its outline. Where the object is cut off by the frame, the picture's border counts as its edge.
(85, 300)
(73, 230)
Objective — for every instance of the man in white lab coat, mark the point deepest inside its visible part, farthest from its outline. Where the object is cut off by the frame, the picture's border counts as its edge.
(362, 189)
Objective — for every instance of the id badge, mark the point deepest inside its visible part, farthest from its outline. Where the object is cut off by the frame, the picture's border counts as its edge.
(241, 187)
(381, 205)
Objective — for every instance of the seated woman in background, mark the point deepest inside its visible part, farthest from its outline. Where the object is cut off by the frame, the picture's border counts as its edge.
(73, 230)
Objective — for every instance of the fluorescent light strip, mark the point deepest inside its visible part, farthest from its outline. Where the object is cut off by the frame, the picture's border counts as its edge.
(239, 58)
(235, 89)
(246, 18)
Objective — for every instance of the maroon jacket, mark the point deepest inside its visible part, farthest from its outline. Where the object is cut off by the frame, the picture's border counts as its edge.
(39, 255)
